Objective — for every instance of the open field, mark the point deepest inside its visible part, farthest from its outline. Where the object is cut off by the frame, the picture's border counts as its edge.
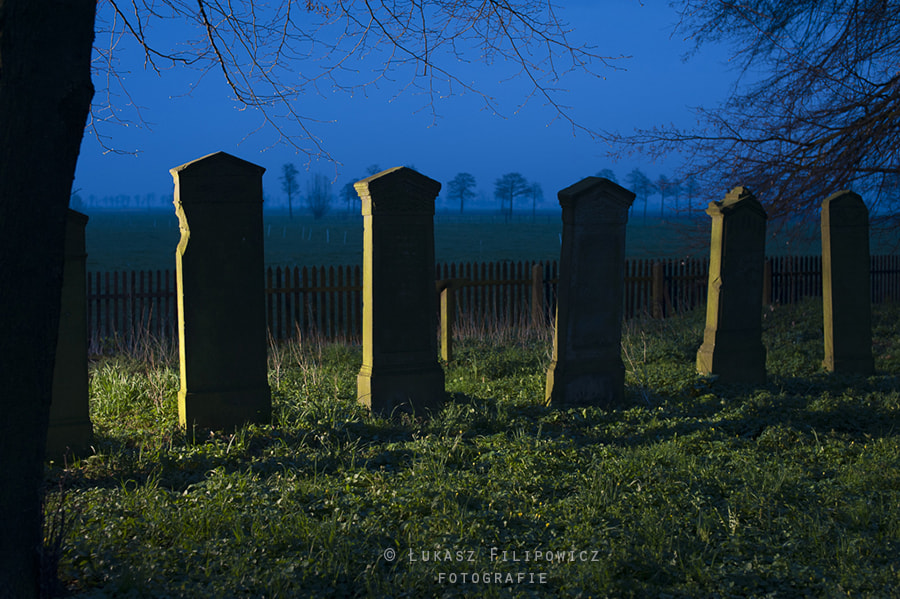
(147, 240)
(692, 489)
(135, 241)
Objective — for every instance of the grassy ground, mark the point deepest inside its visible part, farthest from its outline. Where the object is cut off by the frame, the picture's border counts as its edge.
(693, 489)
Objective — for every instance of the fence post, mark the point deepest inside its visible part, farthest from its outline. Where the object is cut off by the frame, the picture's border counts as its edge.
(767, 283)
(656, 290)
(447, 289)
(537, 296)
(448, 308)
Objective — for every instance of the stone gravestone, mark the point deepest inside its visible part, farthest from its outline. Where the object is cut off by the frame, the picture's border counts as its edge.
(70, 427)
(587, 364)
(221, 295)
(400, 369)
(732, 341)
(846, 287)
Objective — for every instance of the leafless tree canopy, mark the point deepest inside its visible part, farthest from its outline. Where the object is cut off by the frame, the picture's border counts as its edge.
(816, 108)
(272, 56)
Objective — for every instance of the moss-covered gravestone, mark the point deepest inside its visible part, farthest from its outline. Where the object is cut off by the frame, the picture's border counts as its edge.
(732, 341)
(221, 294)
(70, 424)
(400, 369)
(846, 286)
(587, 364)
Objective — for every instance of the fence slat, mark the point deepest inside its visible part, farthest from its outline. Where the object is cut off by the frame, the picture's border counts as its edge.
(327, 301)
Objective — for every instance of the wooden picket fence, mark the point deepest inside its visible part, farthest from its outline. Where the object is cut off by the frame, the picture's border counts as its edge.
(327, 301)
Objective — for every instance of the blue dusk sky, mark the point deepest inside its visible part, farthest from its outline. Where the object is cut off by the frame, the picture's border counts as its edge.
(183, 116)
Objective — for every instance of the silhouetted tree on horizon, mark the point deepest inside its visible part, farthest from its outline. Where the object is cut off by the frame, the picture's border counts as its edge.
(318, 195)
(608, 174)
(641, 185)
(348, 194)
(507, 188)
(460, 187)
(537, 194)
(663, 186)
(289, 185)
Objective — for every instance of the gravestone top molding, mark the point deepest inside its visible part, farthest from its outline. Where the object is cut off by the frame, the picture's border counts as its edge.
(218, 164)
(398, 190)
(218, 178)
(844, 209)
(595, 187)
(739, 198)
(78, 217)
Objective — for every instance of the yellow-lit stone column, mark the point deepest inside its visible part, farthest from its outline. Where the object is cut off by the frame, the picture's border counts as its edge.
(221, 295)
(846, 284)
(732, 341)
(587, 364)
(400, 369)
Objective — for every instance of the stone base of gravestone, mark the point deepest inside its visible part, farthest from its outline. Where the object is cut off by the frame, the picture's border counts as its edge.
(575, 386)
(224, 410)
(70, 430)
(732, 359)
(418, 391)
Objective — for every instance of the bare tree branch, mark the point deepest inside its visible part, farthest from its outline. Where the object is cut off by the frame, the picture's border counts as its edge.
(824, 115)
(272, 56)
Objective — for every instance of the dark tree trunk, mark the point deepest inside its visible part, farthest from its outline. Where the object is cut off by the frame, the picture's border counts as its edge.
(45, 96)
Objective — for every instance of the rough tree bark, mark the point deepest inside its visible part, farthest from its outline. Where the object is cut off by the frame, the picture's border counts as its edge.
(45, 96)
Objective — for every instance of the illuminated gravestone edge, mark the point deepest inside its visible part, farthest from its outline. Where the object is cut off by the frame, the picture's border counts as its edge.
(732, 341)
(846, 285)
(221, 293)
(587, 364)
(400, 370)
(70, 427)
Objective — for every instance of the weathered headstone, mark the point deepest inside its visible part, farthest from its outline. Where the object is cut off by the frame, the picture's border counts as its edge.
(587, 364)
(846, 285)
(70, 427)
(221, 295)
(732, 341)
(400, 369)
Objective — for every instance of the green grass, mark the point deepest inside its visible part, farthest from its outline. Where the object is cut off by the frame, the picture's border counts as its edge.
(693, 489)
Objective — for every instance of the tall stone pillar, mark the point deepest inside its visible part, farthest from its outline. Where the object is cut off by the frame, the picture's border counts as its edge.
(846, 284)
(400, 369)
(732, 342)
(587, 364)
(221, 295)
(70, 427)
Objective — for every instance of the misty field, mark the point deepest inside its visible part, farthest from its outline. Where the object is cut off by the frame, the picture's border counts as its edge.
(147, 240)
(693, 488)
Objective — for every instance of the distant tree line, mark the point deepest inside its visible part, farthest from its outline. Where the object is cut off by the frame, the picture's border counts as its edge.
(121, 201)
(644, 188)
(511, 191)
(318, 197)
